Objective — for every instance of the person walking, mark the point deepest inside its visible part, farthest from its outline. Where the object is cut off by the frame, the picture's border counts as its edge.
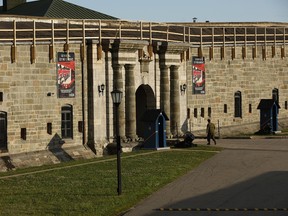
(210, 131)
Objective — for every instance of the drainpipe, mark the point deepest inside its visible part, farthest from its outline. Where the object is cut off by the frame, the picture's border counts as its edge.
(83, 95)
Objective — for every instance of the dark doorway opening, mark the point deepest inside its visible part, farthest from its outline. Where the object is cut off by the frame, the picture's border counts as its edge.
(3, 131)
(269, 109)
(145, 99)
(274, 118)
(160, 129)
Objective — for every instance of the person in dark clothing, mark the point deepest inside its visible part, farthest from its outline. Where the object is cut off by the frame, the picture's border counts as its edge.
(210, 131)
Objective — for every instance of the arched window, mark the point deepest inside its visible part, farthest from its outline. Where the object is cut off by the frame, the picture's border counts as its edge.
(67, 121)
(3, 130)
(238, 104)
(275, 95)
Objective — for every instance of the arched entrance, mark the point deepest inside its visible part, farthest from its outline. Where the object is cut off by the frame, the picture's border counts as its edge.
(145, 99)
(3, 131)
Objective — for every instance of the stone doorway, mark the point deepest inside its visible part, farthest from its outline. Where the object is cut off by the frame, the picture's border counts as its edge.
(145, 99)
(3, 131)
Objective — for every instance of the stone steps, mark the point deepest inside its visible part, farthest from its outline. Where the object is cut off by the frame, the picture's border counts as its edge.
(45, 157)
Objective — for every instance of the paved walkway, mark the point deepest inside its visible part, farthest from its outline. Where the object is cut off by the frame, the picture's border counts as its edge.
(249, 177)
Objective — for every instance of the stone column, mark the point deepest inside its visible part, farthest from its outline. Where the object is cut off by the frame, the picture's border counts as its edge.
(174, 100)
(130, 102)
(118, 84)
(169, 56)
(90, 98)
(165, 94)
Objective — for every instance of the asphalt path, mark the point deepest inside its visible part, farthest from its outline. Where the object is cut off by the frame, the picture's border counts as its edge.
(249, 177)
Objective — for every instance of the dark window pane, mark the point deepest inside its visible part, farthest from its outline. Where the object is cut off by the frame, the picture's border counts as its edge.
(238, 104)
(209, 111)
(67, 122)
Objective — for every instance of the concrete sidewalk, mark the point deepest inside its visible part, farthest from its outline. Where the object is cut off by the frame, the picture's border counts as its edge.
(249, 175)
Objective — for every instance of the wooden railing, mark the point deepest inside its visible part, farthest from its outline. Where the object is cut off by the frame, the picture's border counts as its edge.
(16, 31)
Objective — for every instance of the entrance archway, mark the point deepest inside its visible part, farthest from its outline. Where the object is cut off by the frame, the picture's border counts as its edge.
(3, 130)
(145, 99)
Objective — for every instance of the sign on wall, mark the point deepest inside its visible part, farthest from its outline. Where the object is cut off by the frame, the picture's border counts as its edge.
(198, 74)
(66, 74)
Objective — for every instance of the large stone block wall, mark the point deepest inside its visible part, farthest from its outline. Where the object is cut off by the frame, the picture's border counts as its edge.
(25, 86)
(254, 78)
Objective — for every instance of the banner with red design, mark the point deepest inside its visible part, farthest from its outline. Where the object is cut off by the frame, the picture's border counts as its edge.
(198, 75)
(66, 74)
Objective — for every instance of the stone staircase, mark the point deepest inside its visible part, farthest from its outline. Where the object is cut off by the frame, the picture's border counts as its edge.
(45, 157)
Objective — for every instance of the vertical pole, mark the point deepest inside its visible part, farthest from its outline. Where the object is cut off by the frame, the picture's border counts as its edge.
(218, 128)
(83, 103)
(83, 49)
(119, 188)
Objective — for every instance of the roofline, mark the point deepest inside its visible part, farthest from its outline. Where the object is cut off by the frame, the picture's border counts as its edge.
(191, 24)
(248, 24)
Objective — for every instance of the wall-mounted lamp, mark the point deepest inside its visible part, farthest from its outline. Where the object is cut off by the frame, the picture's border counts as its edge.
(183, 88)
(101, 89)
(49, 94)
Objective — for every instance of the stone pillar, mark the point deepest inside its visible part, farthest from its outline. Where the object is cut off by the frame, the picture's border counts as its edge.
(118, 84)
(124, 53)
(130, 102)
(165, 94)
(174, 100)
(90, 98)
(169, 56)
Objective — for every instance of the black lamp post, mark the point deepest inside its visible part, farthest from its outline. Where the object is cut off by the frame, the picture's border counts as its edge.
(117, 97)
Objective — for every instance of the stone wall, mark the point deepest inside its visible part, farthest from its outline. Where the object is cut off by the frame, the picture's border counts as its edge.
(254, 78)
(25, 87)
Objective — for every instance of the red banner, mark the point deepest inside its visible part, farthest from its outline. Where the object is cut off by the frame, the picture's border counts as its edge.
(66, 75)
(198, 74)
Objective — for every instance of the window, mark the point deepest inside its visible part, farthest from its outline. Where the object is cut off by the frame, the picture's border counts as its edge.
(195, 112)
(23, 133)
(67, 121)
(275, 95)
(188, 113)
(225, 108)
(49, 128)
(209, 112)
(202, 112)
(286, 105)
(3, 130)
(1, 96)
(250, 108)
(238, 105)
(80, 126)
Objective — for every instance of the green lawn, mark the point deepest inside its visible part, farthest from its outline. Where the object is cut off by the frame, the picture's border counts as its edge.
(90, 187)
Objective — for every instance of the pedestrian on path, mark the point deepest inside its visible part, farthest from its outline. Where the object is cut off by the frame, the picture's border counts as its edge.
(210, 131)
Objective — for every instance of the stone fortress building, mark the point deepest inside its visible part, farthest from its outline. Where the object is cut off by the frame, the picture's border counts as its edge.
(56, 75)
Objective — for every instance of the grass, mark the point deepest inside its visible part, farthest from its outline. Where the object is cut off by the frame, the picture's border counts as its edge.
(90, 187)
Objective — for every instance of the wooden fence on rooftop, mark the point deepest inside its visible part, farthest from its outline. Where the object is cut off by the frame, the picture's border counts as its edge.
(16, 31)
